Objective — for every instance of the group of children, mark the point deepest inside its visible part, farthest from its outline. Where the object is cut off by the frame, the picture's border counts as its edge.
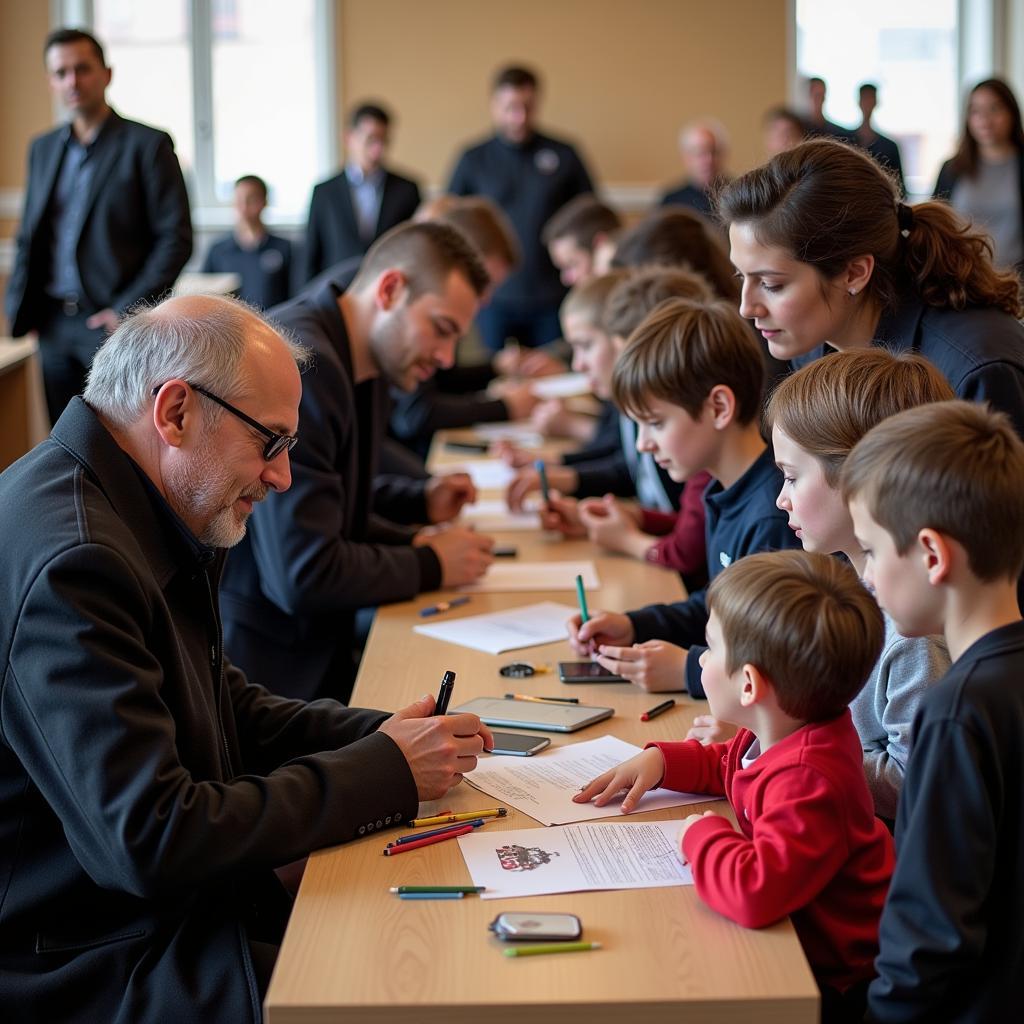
(866, 682)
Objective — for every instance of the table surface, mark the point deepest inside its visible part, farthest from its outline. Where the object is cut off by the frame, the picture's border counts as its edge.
(354, 952)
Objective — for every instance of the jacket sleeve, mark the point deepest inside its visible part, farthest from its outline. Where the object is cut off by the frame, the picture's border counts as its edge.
(169, 221)
(683, 547)
(1001, 385)
(313, 248)
(609, 475)
(945, 182)
(461, 182)
(934, 926)
(691, 767)
(135, 816)
(417, 414)
(796, 849)
(682, 622)
(17, 282)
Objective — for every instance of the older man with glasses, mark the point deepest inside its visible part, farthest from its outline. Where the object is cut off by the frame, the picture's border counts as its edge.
(147, 790)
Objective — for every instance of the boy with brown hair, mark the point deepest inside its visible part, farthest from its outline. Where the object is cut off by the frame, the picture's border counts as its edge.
(692, 378)
(791, 638)
(937, 499)
(580, 238)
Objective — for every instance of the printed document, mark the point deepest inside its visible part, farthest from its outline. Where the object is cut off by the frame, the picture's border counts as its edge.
(495, 632)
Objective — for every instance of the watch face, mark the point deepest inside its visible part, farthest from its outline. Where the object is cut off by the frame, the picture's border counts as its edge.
(516, 670)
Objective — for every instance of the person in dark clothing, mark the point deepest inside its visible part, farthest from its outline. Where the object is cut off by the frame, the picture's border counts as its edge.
(816, 123)
(105, 224)
(937, 499)
(530, 176)
(262, 261)
(580, 238)
(885, 150)
(703, 146)
(147, 789)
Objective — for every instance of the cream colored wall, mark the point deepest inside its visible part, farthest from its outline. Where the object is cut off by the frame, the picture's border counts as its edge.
(620, 76)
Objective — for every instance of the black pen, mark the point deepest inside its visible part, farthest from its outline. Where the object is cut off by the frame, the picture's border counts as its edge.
(444, 694)
(481, 447)
(657, 710)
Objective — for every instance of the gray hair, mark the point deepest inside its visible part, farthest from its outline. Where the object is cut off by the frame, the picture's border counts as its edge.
(152, 346)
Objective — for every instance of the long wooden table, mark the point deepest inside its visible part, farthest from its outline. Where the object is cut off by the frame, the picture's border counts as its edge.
(354, 952)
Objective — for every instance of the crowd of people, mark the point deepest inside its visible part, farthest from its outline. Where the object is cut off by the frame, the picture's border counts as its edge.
(810, 404)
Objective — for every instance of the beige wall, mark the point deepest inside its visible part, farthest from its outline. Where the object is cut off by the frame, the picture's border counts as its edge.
(620, 75)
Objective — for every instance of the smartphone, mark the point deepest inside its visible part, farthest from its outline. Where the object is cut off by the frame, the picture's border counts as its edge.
(586, 672)
(513, 927)
(504, 551)
(518, 744)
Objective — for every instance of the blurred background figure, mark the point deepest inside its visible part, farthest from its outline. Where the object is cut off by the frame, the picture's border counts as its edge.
(885, 150)
(703, 147)
(816, 122)
(580, 238)
(783, 129)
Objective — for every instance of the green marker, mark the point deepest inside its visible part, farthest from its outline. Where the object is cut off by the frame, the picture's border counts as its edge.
(552, 947)
(581, 595)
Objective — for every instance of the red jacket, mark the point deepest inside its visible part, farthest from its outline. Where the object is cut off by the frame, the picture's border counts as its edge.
(809, 846)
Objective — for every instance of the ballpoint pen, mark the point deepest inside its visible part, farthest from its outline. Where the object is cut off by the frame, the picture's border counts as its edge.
(390, 851)
(551, 947)
(475, 823)
(542, 700)
(542, 472)
(443, 606)
(438, 888)
(442, 819)
(444, 694)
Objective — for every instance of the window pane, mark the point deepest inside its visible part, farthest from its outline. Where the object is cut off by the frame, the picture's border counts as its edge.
(908, 49)
(147, 45)
(264, 97)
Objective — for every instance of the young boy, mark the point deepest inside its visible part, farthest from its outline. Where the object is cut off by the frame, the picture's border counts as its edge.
(692, 377)
(937, 498)
(262, 261)
(791, 639)
(580, 239)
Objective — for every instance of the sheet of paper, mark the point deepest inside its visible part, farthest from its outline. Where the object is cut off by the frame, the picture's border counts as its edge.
(504, 577)
(489, 516)
(486, 474)
(542, 786)
(495, 632)
(518, 433)
(575, 858)
(561, 385)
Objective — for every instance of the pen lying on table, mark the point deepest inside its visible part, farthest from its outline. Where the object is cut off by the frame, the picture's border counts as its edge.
(444, 819)
(391, 849)
(436, 832)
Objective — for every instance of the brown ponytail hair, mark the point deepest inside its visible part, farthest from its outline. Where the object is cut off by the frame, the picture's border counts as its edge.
(826, 202)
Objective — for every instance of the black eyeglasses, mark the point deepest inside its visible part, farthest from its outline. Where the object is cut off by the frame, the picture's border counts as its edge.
(276, 443)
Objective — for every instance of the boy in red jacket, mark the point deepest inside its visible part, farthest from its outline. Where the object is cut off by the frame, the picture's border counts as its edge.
(792, 636)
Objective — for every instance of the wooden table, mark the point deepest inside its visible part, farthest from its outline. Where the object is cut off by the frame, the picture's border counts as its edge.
(354, 952)
(23, 418)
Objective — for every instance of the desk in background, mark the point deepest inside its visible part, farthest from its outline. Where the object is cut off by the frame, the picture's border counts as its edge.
(23, 418)
(354, 952)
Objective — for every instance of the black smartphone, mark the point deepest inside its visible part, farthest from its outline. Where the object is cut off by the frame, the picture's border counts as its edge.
(586, 672)
(518, 744)
(504, 551)
(479, 447)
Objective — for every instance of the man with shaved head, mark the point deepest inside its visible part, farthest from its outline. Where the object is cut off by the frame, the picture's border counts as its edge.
(703, 148)
(147, 789)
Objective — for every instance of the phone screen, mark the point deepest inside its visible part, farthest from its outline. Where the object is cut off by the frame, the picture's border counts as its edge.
(517, 743)
(586, 672)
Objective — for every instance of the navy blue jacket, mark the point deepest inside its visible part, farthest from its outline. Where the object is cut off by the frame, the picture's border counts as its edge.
(951, 941)
(265, 271)
(530, 182)
(686, 194)
(739, 520)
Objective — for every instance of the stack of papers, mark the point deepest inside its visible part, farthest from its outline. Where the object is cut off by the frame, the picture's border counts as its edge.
(486, 474)
(495, 632)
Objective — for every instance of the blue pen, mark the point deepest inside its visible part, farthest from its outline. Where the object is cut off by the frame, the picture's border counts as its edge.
(443, 606)
(543, 474)
(431, 895)
(476, 823)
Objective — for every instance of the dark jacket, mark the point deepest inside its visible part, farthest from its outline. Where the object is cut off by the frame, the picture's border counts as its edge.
(315, 554)
(740, 520)
(952, 946)
(146, 789)
(136, 233)
(332, 232)
(691, 196)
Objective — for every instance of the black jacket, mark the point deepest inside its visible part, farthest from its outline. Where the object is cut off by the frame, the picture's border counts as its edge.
(136, 233)
(146, 789)
(332, 233)
(315, 554)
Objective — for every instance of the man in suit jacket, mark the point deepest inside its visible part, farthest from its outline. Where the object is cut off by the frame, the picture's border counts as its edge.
(105, 222)
(354, 208)
(885, 150)
(147, 789)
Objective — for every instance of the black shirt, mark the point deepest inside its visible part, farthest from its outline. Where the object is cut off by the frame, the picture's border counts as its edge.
(265, 271)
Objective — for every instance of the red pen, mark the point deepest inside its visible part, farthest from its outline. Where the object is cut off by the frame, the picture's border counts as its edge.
(429, 841)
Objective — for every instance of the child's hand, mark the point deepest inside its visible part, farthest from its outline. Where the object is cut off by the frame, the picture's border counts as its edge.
(709, 729)
(609, 521)
(687, 822)
(654, 665)
(527, 480)
(512, 455)
(638, 775)
(561, 514)
(600, 628)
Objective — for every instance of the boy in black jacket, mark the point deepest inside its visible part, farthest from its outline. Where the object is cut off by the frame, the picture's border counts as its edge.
(937, 499)
(692, 376)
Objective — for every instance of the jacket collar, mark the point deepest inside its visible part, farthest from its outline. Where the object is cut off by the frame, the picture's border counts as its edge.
(723, 499)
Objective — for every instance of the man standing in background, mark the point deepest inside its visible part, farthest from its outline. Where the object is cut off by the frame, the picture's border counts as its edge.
(105, 222)
(530, 176)
(885, 150)
(703, 146)
(354, 208)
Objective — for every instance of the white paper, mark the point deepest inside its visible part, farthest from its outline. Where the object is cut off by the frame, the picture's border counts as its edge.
(486, 474)
(495, 632)
(489, 516)
(542, 786)
(518, 433)
(575, 858)
(505, 577)
(561, 385)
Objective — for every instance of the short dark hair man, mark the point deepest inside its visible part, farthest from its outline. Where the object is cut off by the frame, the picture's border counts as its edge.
(816, 122)
(354, 208)
(147, 789)
(885, 150)
(318, 553)
(530, 176)
(105, 222)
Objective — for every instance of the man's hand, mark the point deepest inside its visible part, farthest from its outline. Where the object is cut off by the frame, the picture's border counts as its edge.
(439, 750)
(601, 628)
(445, 496)
(526, 481)
(638, 775)
(560, 514)
(512, 455)
(105, 318)
(464, 554)
(654, 665)
(519, 401)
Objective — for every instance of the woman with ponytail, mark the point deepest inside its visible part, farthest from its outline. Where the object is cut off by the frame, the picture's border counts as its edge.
(830, 257)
